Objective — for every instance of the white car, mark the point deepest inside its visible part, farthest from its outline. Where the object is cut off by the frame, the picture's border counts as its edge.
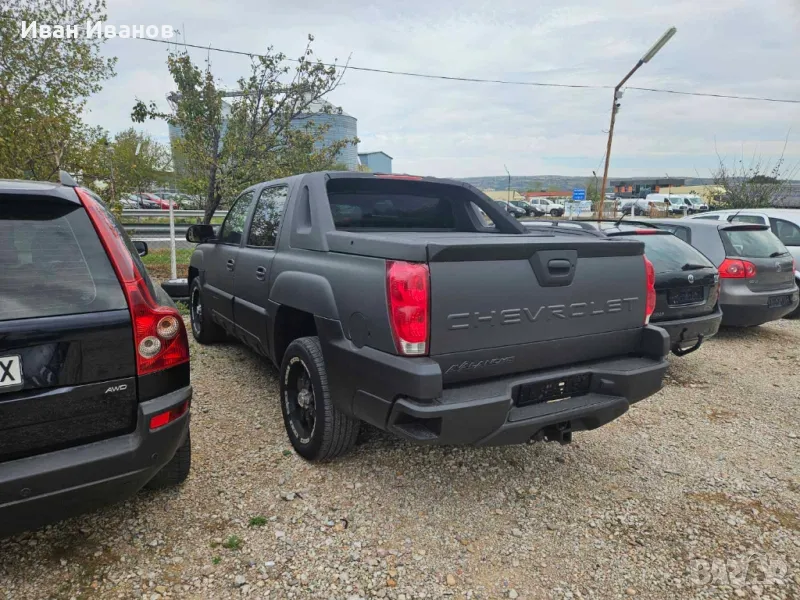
(543, 206)
(784, 222)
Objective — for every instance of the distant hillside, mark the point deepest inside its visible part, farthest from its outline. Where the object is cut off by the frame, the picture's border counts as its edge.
(523, 183)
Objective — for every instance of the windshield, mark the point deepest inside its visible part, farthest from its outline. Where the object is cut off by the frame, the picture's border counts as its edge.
(695, 200)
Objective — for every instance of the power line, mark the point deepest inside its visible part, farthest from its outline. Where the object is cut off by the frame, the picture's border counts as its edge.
(479, 80)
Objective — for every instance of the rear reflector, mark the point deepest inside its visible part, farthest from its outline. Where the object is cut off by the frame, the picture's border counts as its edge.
(408, 296)
(158, 331)
(650, 304)
(732, 268)
(168, 416)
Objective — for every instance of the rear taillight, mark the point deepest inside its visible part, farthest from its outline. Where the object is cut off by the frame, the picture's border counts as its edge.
(732, 268)
(158, 331)
(650, 302)
(408, 295)
(168, 416)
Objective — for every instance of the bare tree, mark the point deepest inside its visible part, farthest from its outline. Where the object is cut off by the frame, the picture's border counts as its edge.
(756, 182)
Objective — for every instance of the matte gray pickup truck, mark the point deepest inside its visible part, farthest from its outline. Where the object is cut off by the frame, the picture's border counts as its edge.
(418, 306)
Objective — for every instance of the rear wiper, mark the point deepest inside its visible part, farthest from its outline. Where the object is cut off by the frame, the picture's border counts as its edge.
(777, 254)
(692, 267)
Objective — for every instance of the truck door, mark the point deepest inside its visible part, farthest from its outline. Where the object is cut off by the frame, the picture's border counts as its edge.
(220, 261)
(252, 279)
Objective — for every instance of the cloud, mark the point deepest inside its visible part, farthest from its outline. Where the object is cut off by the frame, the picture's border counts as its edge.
(460, 129)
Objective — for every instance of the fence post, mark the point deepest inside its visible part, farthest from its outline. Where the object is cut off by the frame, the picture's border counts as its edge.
(173, 266)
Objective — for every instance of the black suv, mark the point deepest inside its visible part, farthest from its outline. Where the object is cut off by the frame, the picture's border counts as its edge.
(94, 360)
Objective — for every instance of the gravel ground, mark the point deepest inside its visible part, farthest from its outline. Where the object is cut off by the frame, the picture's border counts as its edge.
(706, 472)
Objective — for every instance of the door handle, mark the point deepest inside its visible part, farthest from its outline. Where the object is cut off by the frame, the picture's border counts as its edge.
(261, 273)
(231, 264)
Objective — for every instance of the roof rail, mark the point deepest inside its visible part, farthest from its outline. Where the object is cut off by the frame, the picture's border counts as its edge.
(67, 179)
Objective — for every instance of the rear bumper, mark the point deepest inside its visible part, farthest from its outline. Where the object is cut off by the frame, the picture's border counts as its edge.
(689, 333)
(406, 395)
(487, 414)
(49, 487)
(740, 315)
(749, 310)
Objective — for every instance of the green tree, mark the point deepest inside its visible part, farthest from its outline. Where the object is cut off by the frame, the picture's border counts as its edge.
(44, 84)
(258, 139)
(131, 162)
(756, 182)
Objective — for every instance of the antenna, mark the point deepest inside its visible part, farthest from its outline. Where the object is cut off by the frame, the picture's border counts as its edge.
(67, 179)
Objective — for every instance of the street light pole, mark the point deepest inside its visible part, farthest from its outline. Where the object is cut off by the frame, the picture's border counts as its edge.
(615, 104)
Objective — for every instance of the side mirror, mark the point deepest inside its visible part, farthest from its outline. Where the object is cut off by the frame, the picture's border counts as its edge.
(141, 248)
(199, 234)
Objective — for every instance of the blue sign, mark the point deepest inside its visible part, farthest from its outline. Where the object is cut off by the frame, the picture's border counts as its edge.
(578, 194)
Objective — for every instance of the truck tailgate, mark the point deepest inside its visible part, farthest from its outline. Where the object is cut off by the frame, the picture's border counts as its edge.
(523, 291)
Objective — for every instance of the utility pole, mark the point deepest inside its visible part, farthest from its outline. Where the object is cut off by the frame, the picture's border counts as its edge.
(508, 199)
(110, 158)
(618, 96)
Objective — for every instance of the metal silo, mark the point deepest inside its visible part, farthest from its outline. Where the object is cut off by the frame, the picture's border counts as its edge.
(341, 126)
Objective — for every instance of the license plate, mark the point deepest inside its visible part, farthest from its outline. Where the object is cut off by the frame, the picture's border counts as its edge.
(553, 390)
(685, 295)
(779, 301)
(10, 373)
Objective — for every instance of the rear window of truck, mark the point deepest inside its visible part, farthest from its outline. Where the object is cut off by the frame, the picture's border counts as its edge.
(752, 243)
(51, 261)
(393, 204)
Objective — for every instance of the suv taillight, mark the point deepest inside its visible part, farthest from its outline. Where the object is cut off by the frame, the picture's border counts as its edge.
(408, 295)
(736, 269)
(650, 302)
(158, 331)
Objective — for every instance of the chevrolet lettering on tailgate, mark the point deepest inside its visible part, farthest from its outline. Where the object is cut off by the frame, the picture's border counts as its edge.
(513, 316)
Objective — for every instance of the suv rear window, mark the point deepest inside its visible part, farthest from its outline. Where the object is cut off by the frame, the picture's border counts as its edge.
(668, 253)
(752, 243)
(51, 261)
(393, 204)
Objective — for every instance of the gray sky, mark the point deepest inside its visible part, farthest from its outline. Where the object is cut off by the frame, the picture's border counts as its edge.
(465, 129)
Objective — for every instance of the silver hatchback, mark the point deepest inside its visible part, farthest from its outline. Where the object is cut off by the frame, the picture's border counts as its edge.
(757, 282)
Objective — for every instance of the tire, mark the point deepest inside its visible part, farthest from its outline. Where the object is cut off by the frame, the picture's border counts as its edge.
(204, 329)
(554, 213)
(176, 470)
(316, 428)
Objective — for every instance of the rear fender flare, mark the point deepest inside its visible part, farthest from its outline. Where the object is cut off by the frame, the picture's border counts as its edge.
(307, 292)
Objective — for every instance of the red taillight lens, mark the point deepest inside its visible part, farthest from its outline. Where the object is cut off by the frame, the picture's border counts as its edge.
(158, 331)
(168, 416)
(408, 294)
(646, 231)
(650, 302)
(732, 268)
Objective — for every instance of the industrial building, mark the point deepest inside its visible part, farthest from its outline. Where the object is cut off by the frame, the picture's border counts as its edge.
(377, 162)
(339, 126)
(639, 188)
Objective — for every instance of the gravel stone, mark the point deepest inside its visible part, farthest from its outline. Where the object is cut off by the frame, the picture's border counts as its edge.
(706, 470)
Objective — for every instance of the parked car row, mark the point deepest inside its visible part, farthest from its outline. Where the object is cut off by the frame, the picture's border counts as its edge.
(382, 299)
(146, 200)
(520, 208)
(673, 204)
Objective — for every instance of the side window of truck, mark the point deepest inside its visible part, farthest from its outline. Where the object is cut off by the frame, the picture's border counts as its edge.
(267, 217)
(233, 226)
